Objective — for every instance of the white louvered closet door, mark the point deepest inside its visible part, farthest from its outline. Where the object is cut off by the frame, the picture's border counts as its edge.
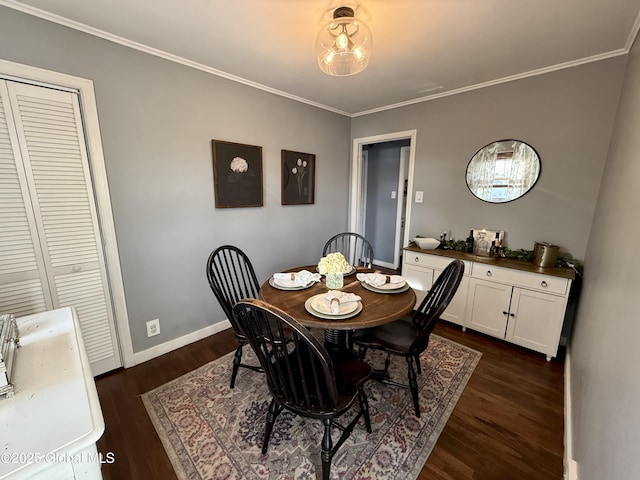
(51, 253)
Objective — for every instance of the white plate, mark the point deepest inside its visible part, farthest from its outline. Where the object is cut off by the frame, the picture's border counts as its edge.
(288, 284)
(319, 306)
(403, 288)
(389, 286)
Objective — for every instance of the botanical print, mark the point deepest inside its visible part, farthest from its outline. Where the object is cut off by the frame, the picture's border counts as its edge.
(237, 175)
(298, 178)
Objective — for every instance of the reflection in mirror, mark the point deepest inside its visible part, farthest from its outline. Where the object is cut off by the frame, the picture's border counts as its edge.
(503, 171)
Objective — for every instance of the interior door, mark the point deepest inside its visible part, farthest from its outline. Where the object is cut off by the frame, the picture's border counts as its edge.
(51, 169)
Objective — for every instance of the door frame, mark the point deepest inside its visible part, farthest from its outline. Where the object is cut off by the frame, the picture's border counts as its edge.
(358, 186)
(403, 201)
(87, 98)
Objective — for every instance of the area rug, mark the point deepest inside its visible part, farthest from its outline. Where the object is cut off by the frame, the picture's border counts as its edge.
(213, 432)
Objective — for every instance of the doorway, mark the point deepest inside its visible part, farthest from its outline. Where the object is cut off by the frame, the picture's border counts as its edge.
(382, 176)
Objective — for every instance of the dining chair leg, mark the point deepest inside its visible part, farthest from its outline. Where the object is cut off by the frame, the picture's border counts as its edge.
(272, 414)
(236, 365)
(362, 352)
(327, 447)
(413, 385)
(418, 366)
(387, 363)
(326, 453)
(364, 406)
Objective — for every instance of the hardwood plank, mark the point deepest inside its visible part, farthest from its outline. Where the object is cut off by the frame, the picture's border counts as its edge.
(508, 422)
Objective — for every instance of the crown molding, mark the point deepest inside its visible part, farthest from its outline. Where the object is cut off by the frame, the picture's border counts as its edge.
(36, 12)
(498, 81)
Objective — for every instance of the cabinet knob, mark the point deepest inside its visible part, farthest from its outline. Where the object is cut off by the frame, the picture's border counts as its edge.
(512, 314)
(505, 313)
(544, 284)
(417, 260)
(489, 273)
(76, 268)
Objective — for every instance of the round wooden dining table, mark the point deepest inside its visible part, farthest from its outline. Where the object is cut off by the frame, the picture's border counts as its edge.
(377, 308)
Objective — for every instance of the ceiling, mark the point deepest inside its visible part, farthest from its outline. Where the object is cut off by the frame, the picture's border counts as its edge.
(422, 49)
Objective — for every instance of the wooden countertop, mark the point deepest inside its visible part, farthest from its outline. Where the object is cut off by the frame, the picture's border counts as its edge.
(563, 272)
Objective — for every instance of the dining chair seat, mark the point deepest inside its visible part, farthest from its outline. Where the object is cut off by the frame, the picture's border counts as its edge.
(395, 337)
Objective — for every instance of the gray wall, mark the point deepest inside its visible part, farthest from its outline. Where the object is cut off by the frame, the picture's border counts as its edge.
(157, 120)
(565, 115)
(605, 351)
(382, 178)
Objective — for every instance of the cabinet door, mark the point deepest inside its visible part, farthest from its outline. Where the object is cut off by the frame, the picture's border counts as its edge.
(419, 278)
(455, 312)
(537, 320)
(488, 307)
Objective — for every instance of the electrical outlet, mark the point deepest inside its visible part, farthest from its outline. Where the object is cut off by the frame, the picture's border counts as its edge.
(153, 327)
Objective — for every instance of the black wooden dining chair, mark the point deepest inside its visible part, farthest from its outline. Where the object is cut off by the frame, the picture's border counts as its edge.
(356, 249)
(232, 278)
(409, 336)
(301, 375)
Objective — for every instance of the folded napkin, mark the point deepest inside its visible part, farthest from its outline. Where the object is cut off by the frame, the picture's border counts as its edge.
(379, 279)
(297, 279)
(337, 298)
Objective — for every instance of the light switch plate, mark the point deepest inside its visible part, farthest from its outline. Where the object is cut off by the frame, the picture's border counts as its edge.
(419, 195)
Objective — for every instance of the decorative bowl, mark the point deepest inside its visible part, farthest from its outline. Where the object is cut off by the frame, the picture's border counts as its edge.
(426, 243)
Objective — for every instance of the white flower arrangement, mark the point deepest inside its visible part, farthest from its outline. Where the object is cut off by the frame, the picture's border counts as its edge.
(239, 165)
(333, 263)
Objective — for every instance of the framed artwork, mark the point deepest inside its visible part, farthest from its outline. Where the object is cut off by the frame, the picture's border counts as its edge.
(298, 178)
(237, 174)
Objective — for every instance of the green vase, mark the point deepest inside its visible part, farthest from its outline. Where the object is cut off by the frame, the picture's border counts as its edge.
(335, 280)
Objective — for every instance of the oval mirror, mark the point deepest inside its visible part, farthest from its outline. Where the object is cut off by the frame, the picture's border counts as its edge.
(503, 171)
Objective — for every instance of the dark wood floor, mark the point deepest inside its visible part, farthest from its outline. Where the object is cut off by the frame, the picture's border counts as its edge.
(508, 423)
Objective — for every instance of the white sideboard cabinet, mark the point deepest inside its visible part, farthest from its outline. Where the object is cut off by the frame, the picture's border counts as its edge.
(511, 300)
(51, 425)
(421, 270)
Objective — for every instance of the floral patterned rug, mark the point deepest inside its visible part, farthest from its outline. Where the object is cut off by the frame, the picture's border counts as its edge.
(213, 432)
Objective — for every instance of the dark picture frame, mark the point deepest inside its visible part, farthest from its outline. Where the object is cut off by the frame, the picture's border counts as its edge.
(298, 178)
(237, 174)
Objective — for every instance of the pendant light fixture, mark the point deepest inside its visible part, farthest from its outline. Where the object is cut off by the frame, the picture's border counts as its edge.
(343, 46)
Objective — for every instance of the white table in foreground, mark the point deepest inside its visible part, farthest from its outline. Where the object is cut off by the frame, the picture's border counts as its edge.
(49, 428)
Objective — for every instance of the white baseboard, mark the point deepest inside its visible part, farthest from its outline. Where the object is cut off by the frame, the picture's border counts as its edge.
(570, 465)
(166, 347)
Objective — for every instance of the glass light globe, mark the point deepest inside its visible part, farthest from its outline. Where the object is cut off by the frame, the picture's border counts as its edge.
(343, 46)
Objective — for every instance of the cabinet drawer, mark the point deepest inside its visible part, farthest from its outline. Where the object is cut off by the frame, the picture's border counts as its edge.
(535, 281)
(431, 261)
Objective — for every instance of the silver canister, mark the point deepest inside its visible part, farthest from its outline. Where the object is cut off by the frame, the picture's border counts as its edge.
(545, 255)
